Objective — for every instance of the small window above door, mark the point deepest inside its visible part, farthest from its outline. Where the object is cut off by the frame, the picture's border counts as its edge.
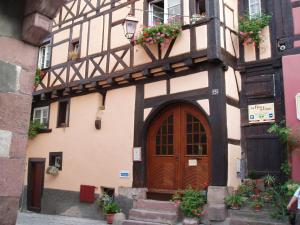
(41, 115)
(55, 159)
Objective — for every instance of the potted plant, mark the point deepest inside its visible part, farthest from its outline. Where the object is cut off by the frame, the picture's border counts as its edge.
(110, 209)
(250, 28)
(269, 180)
(245, 189)
(257, 204)
(52, 170)
(234, 201)
(160, 34)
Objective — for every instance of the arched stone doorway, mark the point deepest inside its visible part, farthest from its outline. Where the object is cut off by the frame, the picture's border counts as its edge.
(178, 149)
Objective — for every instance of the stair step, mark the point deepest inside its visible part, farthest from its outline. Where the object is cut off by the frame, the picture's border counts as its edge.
(249, 221)
(153, 216)
(155, 205)
(136, 222)
(250, 214)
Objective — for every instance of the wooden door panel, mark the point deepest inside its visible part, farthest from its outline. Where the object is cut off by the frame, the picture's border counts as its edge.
(168, 160)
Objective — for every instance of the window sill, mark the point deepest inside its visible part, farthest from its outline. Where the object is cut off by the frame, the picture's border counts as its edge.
(45, 130)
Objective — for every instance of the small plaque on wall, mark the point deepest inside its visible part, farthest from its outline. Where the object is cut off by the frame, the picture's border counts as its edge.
(298, 106)
(261, 113)
(124, 173)
(137, 154)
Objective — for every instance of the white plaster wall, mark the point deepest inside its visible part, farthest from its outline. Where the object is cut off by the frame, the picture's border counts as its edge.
(146, 113)
(204, 103)
(182, 44)
(201, 37)
(155, 89)
(189, 82)
(233, 122)
(231, 84)
(234, 154)
(265, 45)
(90, 156)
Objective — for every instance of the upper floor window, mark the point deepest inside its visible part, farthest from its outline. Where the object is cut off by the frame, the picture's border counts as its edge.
(74, 51)
(164, 11)
(200, 7)
(41, 115)
(44, 56)
(63, 113)
(254, 8)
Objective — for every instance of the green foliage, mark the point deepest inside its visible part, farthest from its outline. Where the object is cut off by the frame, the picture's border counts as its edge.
(159, 34)
(234, 201)
(34, 128)
(192, 203)
(269, 180)
(286, 169)
(253, 175)
(111, 208)
(250, 28)
(37, 77)
(257, 203)
(104, 199)
(281, 131)
(245, 189)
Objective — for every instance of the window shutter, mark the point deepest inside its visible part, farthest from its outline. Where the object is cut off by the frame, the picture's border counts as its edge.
(254, 8)
(40, 60)
(173, 9)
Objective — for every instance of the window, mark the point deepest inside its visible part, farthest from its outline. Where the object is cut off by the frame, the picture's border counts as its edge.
(254, 8)
(164, 11)
(165, 137)
(200, 7)
(74, 52)
(44, 56)
(55, 159)
(63, 113)
(41, 115)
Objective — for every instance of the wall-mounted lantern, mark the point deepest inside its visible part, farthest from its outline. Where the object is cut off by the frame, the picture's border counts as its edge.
(129, 26)
(99, 117)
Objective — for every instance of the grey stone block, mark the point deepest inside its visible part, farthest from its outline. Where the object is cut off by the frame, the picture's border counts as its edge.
(9, 77)
(217, 212)
(216, 194)
(119, 218)
(190, 221)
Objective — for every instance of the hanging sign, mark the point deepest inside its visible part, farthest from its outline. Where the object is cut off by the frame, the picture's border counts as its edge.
(137, 154)
(298, 106)
(261, 113)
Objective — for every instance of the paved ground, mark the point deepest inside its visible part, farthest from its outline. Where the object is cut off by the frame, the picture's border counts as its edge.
(27, 218)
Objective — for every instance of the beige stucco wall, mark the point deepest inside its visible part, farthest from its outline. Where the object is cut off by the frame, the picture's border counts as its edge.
(204, 103)
(233, 122)
(234, 155)
(155, 89)
(231, 84)
(189, 82)
(90, 156)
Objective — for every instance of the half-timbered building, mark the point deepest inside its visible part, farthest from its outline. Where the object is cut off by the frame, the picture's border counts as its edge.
(148, 117)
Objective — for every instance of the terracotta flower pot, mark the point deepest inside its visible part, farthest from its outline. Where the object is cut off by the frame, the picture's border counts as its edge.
(110, 218)
(257, 208)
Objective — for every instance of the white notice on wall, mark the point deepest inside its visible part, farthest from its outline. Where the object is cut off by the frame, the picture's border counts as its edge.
(124, 173)
(137, 154)
(192, 162)
(298, 106)
(261, 113)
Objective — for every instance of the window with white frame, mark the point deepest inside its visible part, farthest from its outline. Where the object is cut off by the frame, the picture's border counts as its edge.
(164, 11)
(254, 8)
(41, 115)
(44, 56)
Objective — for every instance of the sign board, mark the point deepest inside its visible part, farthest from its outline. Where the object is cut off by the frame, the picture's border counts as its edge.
(124, 173)
(298, 106)
(261, 113)
(192, 162)
(137, 154)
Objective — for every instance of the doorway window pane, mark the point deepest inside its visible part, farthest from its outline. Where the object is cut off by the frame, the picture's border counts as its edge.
(165, 137)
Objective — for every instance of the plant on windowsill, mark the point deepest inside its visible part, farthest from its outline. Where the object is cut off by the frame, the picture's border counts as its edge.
(34, 128)
(197, 17)
(250, 28)
(161, 34)
(52, 170)
(38, 77)
(73, 55)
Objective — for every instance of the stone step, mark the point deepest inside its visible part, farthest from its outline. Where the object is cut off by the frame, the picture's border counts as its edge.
(155, 205)
(264, 214)
(252, 221)
(153, 216)
(136, 222)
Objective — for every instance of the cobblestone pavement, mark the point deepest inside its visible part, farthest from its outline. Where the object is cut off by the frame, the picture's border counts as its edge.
(28, 218)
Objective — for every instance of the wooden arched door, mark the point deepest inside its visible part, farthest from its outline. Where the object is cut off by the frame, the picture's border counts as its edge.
(178, 149)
